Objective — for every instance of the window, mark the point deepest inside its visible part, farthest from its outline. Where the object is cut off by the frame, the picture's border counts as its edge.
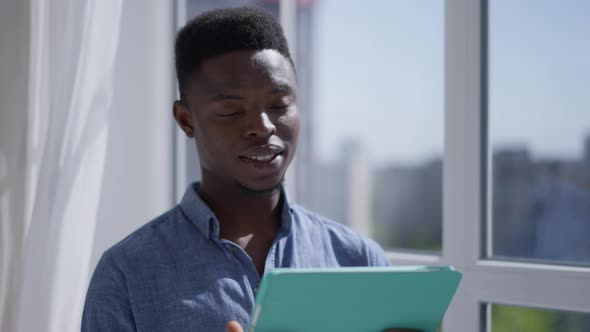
(539, 129)
(507, 318)
(505, 198)
(372, 106)
(473, 176)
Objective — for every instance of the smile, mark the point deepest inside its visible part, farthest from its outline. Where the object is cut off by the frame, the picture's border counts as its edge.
(261, 158)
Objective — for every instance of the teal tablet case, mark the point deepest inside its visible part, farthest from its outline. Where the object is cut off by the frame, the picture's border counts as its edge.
(361, 299)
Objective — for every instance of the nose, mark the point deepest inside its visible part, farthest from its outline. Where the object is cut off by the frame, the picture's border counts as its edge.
(260, 125)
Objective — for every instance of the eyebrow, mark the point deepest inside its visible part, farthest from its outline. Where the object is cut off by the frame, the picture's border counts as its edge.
(224, 96)
(281, 88)
(278, 89)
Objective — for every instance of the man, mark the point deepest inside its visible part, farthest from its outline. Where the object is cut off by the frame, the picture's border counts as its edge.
(198, 266)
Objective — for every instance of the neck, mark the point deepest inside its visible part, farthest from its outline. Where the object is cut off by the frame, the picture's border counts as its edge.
(240, 210)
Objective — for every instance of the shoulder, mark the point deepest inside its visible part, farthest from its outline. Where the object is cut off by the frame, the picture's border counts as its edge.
(342, 239)
(338, 232)
(108, 301)
(144, 252)
(143, 237)
(149, 243)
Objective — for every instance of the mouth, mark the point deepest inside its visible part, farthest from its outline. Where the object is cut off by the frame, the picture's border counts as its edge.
(261, 159)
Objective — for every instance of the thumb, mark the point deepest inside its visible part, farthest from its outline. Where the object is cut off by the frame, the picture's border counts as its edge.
(234, 326)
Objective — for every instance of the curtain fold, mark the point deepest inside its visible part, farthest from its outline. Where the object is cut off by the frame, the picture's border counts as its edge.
(73, 49)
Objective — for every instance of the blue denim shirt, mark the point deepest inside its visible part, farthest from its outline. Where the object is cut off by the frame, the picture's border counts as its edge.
(176, 274)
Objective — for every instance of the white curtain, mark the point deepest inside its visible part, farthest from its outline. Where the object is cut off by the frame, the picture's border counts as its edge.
(72, 55)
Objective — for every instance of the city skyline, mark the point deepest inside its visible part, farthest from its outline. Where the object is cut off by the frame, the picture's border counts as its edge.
(539, 208)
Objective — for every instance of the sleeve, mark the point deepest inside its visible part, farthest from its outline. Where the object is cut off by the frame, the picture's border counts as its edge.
(375, 254)
(107, 306)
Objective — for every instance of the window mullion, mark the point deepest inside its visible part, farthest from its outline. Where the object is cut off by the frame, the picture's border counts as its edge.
(462, 185)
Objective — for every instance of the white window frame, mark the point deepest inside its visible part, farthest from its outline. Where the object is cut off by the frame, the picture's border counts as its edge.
(466, 223)
(465, 193)
(179, 138)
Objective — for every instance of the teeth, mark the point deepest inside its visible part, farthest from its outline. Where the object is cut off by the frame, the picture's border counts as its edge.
(262, 158)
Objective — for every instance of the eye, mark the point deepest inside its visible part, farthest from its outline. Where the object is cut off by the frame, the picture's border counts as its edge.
(228, 115)
(279, 107)
(280, 102)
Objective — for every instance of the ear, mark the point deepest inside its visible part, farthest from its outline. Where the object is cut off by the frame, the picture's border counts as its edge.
(183, 118)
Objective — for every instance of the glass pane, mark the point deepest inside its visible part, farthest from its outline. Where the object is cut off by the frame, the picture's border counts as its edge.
(511, 318)
(371, 95)
(539, 127)
(196, 7)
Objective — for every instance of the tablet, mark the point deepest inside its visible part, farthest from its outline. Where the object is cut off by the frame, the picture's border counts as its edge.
(355, 299)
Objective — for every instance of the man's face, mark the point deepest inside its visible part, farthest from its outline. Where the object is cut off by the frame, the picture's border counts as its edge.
(244, 118)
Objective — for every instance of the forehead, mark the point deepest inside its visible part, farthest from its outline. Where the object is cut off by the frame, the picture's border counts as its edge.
(244, 70)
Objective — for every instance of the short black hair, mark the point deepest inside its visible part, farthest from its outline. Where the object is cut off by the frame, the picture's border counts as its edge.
(221, 31)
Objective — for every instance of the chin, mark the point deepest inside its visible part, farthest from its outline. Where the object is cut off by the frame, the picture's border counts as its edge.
(260, 188)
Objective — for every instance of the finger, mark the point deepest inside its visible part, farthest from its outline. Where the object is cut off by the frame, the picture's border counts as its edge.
(234, 326)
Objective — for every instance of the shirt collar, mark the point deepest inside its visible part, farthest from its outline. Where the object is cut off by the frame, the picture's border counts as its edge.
(204, 219)
(198, 212)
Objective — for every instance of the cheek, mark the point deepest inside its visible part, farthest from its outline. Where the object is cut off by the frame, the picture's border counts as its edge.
(213, 147)
(290, 123)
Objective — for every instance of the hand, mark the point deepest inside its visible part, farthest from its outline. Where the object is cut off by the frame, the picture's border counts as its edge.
(234, 326)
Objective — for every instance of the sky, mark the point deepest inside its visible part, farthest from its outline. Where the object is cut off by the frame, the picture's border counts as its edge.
(378, 77)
